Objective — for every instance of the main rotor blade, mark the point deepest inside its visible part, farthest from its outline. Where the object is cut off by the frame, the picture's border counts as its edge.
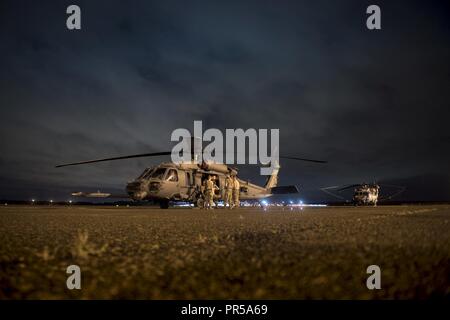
(142, 155)
(327, 190)
(303, 159)
(155, 154)
(348, 187)
(400, 190)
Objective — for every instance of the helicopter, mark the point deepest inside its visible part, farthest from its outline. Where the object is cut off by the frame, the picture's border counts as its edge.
(364, 194)
(183, 182)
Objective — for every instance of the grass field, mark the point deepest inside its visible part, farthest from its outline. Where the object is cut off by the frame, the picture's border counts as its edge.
(147, 253)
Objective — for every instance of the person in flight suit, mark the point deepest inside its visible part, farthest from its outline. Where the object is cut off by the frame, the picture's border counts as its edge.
(210, 188)
(236, 190)
(215, 189)
(228, 192)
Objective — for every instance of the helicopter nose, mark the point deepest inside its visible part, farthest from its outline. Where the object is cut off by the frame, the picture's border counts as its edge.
(136, 190)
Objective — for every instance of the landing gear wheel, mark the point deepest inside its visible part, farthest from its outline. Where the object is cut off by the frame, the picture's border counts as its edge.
(199, 203)
(164, 204)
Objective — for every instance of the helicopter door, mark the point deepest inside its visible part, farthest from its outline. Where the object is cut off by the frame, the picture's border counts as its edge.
(183, 184)
(188, 185)
(172, 182)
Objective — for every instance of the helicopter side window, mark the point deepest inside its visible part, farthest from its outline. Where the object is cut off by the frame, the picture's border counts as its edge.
(159, 173)
(172, 175)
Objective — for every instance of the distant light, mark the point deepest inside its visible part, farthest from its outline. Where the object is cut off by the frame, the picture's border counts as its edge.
(291, 202)
(70, 201)
(32, 200)
(301, 202)
(51, 201)
(184, 205)
(302, 205)
(264, 202)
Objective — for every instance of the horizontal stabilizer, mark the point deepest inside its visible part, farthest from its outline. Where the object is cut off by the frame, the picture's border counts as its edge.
(284, 190)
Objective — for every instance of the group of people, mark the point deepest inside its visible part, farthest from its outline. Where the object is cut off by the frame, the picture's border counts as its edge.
(230, 192)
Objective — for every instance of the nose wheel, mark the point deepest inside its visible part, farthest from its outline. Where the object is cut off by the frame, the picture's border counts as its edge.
(196, 197)
(199, 203)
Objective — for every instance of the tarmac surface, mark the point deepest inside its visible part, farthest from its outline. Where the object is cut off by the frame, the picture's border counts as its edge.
(149, 253)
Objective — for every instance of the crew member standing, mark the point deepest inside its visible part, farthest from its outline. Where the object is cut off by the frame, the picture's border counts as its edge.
(215, 189)
(236, 190)
(228, 192)
(209, 193)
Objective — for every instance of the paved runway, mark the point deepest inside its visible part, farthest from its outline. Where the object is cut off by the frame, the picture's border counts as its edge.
(148, 253)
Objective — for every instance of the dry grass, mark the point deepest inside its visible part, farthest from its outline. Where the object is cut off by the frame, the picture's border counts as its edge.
(156, 254)
(82, 248)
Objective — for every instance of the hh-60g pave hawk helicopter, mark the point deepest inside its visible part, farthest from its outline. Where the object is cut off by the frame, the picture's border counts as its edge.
(182, 182)
(364, 194)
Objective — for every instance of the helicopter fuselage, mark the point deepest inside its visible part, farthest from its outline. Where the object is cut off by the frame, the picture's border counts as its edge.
(184, 182)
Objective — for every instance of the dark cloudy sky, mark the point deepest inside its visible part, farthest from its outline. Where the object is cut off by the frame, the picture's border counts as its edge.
(375, 104)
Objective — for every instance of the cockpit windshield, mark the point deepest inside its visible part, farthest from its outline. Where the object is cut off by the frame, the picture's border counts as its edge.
(158, 173)
(144, 173)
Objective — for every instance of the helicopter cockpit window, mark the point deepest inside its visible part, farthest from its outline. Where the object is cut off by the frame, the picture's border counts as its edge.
(145, 173)
(149, 173)
(142, 174)
(172, 175)
(159, 173)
